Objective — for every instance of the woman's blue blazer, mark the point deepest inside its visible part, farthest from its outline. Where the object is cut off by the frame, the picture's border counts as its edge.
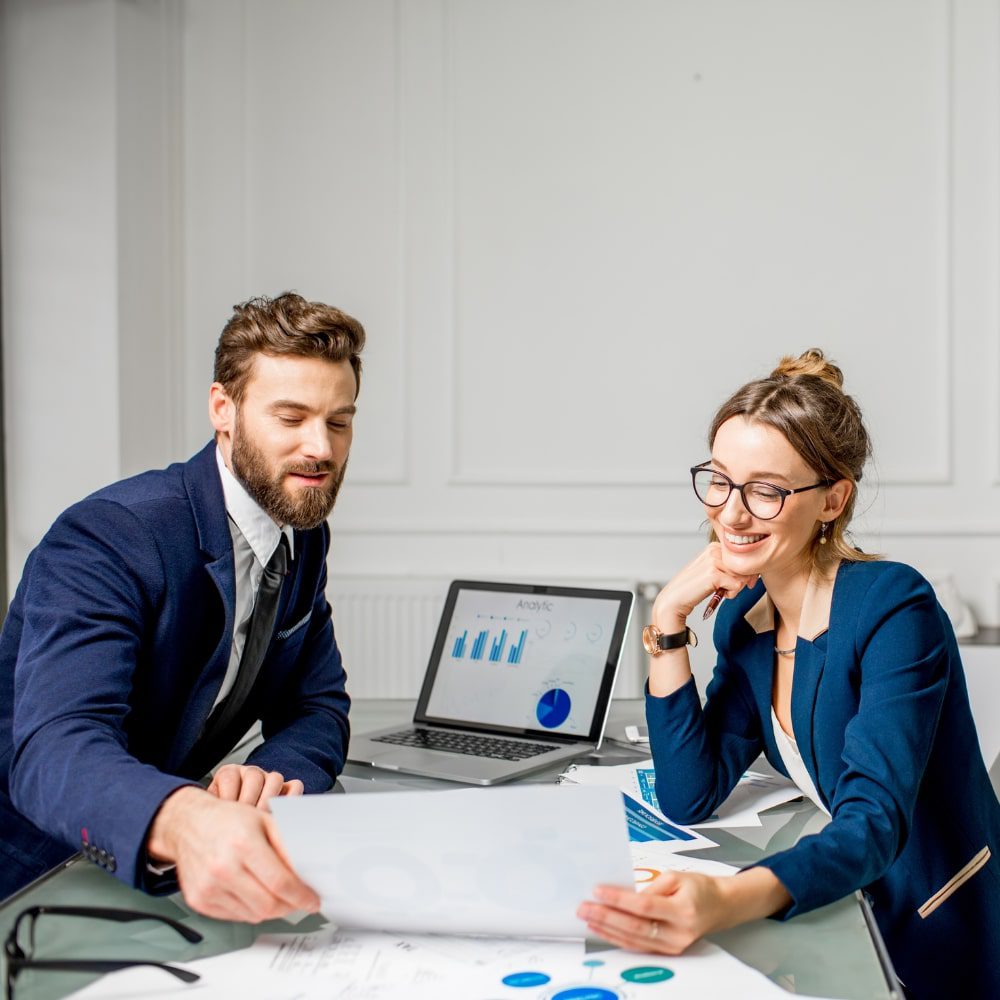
(880, 712)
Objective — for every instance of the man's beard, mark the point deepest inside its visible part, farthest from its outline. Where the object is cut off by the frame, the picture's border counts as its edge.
(309, 508)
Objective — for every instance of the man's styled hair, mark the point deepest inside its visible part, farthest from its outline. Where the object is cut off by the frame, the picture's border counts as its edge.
(285, 325)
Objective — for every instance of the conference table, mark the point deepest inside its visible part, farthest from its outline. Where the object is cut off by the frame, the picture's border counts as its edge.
(835, 951)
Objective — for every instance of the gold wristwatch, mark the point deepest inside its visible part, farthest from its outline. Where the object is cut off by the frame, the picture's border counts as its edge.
(656, 642)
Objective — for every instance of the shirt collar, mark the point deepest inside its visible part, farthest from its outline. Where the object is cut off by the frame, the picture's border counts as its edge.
(256, 526)
(815, 617)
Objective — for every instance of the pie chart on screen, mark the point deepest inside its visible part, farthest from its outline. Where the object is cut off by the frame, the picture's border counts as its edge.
(553, 708)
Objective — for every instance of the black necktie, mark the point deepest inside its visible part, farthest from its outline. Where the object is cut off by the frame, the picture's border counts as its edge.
(228, 722)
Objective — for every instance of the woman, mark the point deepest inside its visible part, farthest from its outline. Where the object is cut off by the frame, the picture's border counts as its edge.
(844, 671)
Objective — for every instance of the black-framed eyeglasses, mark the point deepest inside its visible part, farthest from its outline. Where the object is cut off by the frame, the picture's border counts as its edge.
(763, 500)
(18, 957)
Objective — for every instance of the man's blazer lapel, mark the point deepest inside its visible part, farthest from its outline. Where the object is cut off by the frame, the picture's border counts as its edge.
(208, 504)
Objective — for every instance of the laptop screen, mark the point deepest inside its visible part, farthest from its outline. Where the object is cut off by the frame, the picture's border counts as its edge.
(526, 659)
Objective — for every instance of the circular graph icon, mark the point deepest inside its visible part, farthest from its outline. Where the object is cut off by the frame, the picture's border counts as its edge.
(553, 708)
(524, 979)
(585, 993)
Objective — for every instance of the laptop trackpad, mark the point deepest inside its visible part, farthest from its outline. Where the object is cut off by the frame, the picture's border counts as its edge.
(442, 764)
(415, 757)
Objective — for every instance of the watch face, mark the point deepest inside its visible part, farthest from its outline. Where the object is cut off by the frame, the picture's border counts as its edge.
(649, 636)
(656, 642)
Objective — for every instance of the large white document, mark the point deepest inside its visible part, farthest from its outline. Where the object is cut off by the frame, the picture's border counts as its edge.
(507, 861)
(364, 965)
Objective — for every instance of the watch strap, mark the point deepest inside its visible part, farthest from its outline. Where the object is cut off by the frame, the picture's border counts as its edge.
(675, 640)
(656, 642)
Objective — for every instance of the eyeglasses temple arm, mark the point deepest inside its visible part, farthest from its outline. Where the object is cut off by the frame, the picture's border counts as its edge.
(119, 916)
(104, 965)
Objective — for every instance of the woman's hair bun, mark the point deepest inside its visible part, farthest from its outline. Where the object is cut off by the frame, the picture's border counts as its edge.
(812, 362)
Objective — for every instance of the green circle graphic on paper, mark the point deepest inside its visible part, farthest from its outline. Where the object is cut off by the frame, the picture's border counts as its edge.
(647, 974)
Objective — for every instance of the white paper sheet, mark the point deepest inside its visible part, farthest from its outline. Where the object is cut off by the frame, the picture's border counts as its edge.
(648, 864)
(363, 965)
(503, 861)
(626, 777)
(703, 972)
(754, 794)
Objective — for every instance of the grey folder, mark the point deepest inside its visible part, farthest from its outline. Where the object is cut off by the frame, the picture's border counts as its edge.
(520, 678)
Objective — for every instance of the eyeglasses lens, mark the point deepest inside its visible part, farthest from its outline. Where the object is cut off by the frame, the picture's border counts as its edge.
(713, 489)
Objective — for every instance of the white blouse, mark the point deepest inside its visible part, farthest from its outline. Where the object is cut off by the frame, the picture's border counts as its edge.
(792, 760)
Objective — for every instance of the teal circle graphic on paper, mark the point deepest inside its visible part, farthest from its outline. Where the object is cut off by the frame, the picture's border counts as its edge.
(585, 993)
(647, 974)
(593, 963)
(553, 708)
(526, 979)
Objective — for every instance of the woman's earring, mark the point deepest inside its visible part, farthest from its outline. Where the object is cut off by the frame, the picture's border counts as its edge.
(822, 532)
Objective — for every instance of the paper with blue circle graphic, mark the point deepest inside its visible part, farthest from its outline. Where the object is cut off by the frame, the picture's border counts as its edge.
(336, 964)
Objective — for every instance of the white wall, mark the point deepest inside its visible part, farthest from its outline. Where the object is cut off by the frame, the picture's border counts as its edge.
(60, 266)
(90, 294)
(571, 227)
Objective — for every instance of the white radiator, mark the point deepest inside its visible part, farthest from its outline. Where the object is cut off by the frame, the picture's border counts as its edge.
(385, 628)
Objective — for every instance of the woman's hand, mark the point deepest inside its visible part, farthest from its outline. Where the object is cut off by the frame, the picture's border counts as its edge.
(680, 907)
(676, 910)
(251, 785)
(702, 576)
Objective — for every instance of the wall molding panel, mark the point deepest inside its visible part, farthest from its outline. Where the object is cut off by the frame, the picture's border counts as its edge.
(470, 359)
(313, 170)
(569, 234)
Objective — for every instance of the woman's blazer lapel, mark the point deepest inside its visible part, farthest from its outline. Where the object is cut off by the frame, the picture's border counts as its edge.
(757, 661)
(810, 659)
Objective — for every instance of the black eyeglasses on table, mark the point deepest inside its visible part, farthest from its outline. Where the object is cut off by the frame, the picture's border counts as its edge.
(19, 958)
(763, 500)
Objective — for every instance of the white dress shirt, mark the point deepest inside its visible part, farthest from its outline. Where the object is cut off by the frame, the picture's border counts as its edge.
(794, 764)
(255, 537)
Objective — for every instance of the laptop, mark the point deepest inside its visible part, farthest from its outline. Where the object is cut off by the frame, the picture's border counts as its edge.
(520, 678)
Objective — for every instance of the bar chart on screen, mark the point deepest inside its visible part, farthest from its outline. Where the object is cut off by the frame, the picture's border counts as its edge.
(491, 639)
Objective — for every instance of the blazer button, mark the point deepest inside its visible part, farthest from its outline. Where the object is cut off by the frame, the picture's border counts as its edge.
(102, 856)
(112, 864)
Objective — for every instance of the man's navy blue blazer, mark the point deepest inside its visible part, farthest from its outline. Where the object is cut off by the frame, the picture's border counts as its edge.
(881, 716)
(111, 657)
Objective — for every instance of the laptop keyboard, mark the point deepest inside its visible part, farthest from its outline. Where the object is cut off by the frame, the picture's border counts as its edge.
(475, 746)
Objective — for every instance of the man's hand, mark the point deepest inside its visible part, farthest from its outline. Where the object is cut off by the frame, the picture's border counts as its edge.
(230, 862)
(251, 785)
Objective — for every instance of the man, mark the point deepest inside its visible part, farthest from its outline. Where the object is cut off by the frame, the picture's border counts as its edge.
(161, 616)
